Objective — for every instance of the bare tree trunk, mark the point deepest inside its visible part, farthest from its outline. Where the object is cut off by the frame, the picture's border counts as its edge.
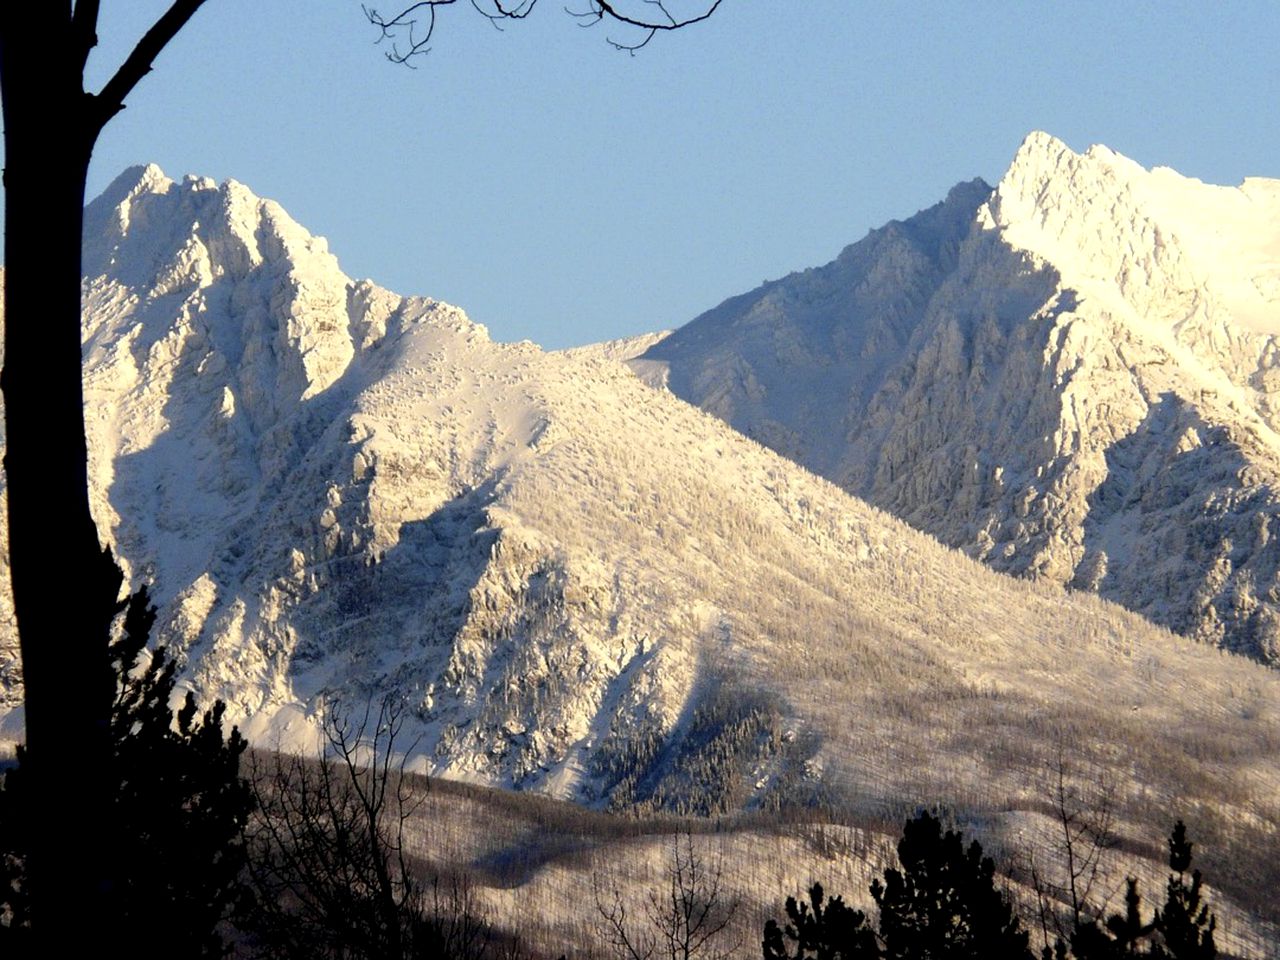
(64, 586)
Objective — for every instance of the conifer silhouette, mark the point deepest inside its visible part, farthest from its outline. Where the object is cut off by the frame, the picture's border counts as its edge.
(1183, 930)
(1185, 923)
(943, 903)
(178, 809)
(815, 932)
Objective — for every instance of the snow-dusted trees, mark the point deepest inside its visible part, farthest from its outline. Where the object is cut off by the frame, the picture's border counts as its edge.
(51, 124)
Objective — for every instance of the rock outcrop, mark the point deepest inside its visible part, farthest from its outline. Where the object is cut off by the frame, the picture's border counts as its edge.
(1072, 377)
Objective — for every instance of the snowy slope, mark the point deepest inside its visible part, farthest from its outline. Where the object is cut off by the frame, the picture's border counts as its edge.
(581, 585)
(1072, 377)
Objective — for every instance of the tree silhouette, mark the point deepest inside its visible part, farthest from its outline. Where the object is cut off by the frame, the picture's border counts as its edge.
(15, 898)
(180, 804)
(1183, 930)
(329, 860)
(942, 904)
(178, 807)
(51, 124)
(1185, 923)
(688, 919)
(815, 932)
(328, 856)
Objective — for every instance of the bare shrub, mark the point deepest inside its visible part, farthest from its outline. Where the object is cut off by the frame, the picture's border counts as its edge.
(688, 919)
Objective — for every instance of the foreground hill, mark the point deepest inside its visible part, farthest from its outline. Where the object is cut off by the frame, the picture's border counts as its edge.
(538, 866)
(582, 586)
(1073, 377)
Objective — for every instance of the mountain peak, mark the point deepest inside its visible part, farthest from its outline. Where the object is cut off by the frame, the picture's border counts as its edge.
(1042, 158)
(1040, 150)
(226, 224)
(132, 182)
(142, 178)
(1108, 223)
(1038, 144)
(1128, 315)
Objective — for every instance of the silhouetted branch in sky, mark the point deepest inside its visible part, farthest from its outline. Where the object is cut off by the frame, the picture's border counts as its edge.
(410, 30)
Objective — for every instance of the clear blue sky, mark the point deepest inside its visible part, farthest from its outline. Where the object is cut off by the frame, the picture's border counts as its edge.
(561, 191)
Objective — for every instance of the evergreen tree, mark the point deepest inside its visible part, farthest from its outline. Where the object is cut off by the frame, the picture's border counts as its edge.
(1186, 926)
(817, 932)
(1183, 930)
(943, 903)
(1123, 935)
(178, 808)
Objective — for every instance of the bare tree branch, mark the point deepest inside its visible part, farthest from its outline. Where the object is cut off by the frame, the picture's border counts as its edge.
(606, 9)
(84, 27)
(137, 65)
(685, 921)
(1068, 896)
(405, 23)
(501, 12)
(625, 943)
(330, 859)
(411, 38)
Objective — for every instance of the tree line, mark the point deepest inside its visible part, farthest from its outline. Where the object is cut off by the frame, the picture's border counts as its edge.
(942, 903)
(287, 856)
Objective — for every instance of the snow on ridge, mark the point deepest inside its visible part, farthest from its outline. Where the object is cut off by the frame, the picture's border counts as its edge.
(132, 182)
(582, 586)
(621, 349)
(1099, 216)
(1125, 315)
(238, 229)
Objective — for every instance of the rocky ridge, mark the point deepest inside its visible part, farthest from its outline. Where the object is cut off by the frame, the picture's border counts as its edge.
(1072, 377)
(574, 583)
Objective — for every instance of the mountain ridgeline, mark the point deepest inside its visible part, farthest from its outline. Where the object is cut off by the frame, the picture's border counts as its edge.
(582, 586)
(1073, 377)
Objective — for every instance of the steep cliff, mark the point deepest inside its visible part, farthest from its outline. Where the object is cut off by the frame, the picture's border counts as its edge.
(1072, 377)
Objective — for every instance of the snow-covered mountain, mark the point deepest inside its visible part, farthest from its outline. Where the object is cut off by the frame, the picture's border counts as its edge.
(1074, 377)
(581, 585)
